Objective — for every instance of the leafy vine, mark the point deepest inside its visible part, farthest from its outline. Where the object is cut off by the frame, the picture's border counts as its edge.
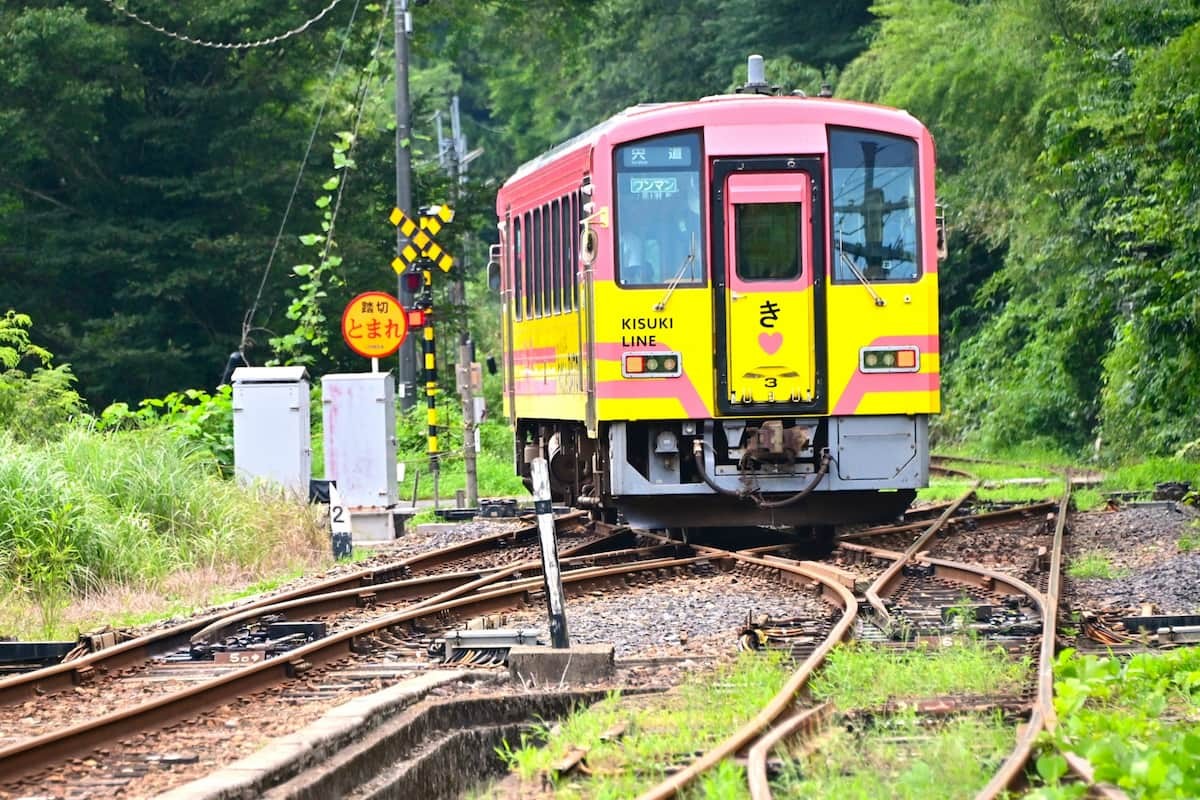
(312, 330)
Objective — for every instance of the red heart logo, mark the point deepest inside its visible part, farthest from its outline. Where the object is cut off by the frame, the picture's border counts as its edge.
(770, 342)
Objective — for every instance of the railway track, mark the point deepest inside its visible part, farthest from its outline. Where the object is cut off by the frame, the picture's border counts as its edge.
(351, 653)
(1020, 573)
(373, 641)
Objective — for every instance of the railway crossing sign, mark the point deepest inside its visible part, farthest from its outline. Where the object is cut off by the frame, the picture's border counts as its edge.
(374, 324)
(421, 234)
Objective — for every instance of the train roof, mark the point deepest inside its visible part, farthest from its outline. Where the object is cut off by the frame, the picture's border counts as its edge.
(695, 113)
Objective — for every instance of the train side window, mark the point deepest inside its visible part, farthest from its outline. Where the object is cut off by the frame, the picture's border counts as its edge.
(568, 263)
(535, 247)
(518, 264)
(659, 225)
(875, 220)
(530, 238)
(554, 263)
(576, 205)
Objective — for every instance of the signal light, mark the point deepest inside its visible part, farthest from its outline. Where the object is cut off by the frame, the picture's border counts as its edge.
(415, 317)
(413, 280)
(889, 359)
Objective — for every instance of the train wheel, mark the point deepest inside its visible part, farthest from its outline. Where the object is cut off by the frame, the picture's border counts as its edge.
(681, 534)
(824, 539)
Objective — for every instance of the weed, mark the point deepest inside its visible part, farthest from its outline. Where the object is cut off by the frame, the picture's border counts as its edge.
(861, 675)
(1134, 720)
(901, 756)
(1094, 565)
(669, 732)
(1190, 540)
(132, 508)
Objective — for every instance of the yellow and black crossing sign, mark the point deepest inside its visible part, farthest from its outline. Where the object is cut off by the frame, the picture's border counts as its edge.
(421, 235)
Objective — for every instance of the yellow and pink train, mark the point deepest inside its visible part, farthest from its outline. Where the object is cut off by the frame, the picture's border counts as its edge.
(724, 312)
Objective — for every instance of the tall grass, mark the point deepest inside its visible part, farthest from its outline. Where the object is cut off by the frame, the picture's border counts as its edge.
(130, 507)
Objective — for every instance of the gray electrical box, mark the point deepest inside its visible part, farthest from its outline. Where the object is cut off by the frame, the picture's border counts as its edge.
(360, 438)
(271, 439)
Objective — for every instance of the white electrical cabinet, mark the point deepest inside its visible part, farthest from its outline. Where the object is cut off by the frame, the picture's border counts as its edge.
(360, 438)
(271, 427)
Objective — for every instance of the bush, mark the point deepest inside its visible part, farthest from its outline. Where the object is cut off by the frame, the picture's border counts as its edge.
(129, 506)
(36, 399)
(202, 419)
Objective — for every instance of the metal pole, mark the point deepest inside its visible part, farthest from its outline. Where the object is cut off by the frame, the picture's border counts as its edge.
(408, 353)
(468, 410)
(430, 352)
(549, 545)
(465, 354)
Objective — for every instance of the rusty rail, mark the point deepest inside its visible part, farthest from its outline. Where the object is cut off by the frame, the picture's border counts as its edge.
(782, 701)
(1043, 715)
(62, 677)
(885, 581)
(22, 758)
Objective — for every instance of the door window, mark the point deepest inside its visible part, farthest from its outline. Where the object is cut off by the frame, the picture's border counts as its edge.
(768, 241)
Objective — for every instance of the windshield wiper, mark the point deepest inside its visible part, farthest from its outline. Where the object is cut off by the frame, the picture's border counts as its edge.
(688, 260)
(879, 301)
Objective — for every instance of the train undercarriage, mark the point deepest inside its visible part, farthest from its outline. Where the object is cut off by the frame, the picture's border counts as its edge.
(788, 472)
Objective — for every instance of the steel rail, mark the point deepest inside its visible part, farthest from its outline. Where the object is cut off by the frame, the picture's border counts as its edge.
(61, 677)
(20, 759)
(987, 517)
(809, 722)
(782, 701)
(883, 583)
(444, 587)
(1043, 715)
(988, 579)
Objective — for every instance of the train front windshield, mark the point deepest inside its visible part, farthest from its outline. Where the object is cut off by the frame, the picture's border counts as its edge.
(658, 221)
(874, 206)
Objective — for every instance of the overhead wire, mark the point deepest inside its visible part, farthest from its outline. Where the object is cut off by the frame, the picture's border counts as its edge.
(183, 37)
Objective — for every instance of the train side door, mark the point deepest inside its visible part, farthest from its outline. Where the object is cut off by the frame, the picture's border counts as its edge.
(769, 285)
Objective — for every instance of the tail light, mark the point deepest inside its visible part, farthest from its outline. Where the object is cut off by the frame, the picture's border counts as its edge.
(651, 365)
(889, 359)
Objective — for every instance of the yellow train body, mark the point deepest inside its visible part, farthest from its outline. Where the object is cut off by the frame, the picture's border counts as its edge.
(725, 312)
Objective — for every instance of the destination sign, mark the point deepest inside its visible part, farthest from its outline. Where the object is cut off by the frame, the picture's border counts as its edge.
(658, 156)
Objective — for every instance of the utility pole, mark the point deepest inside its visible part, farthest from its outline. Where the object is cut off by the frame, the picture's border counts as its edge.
(407, 374)
(453, 158)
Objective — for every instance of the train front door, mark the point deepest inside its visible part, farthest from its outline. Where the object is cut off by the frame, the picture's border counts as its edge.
(769, 285)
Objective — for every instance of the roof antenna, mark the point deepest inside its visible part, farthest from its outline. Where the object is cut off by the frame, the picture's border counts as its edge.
(756, 78)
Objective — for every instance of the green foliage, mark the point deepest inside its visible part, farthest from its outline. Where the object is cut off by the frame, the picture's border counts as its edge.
(36, 399)
(203, 420)
(1135, 721)
(123, 506)
(1065, 138)
(863, 676)
(1094, 565)
(313, 329)
(494, 462)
